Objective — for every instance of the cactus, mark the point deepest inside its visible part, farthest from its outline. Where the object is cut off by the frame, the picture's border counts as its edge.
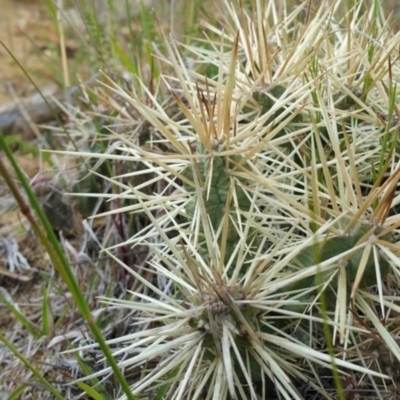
(222, 195)
(278, 180)
(351, 262)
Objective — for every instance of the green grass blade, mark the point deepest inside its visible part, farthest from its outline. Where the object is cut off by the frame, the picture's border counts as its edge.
(47, 319)
(35, 372)
(29, 326)
(91, 392)
(49, 240)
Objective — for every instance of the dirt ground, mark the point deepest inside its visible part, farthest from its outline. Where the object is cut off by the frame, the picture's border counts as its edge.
(26, 30)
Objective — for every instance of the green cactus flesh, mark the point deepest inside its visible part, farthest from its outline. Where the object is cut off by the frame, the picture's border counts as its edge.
(215, 172)
(335, 246)
(267, 99)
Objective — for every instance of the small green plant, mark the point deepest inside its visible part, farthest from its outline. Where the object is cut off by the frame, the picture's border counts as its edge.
(270, 204)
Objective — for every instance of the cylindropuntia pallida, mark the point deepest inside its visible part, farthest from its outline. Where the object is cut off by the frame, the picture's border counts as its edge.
(278, 189)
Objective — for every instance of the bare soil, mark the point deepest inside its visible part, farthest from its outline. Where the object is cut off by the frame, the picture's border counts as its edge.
(26, 30)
